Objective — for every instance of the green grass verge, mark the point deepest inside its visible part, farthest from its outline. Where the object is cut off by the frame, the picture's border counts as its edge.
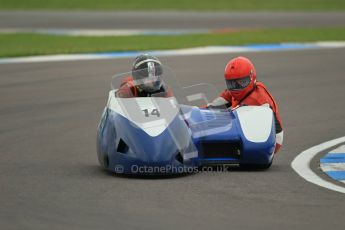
(35, 44)
(226, 5)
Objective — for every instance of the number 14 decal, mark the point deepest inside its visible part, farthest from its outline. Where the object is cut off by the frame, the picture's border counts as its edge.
(153, 112)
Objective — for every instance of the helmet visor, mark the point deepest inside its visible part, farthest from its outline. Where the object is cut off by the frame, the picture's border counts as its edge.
(149, 79)
(238, 84)
(150, 72)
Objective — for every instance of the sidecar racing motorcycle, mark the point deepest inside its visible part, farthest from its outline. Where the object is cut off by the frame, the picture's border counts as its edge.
(174, 134)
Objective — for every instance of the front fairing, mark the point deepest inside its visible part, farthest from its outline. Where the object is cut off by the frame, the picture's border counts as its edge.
(160, 146)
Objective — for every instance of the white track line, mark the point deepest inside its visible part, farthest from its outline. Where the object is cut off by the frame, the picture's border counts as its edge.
(178, 52)
(102, 33)
(301, 164)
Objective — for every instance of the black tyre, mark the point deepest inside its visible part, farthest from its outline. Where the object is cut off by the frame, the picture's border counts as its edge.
(256, 166)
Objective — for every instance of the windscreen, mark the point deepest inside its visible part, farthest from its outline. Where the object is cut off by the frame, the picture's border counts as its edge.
(153, 98)
(162, 82)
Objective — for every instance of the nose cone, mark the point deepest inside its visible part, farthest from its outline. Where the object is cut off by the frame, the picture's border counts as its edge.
(157, 149)
(162, 147)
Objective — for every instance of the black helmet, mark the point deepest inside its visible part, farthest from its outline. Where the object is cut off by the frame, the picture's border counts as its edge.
(147, 71)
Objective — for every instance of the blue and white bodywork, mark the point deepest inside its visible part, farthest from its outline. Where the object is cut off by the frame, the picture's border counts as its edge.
(138, 143)
(157, 135)
(244, 136)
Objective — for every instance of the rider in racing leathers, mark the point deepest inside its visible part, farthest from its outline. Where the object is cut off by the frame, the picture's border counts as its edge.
(243, 89)
(146, 79)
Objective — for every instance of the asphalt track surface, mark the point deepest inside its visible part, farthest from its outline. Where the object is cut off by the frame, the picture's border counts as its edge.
(50, 177)
(166, 20)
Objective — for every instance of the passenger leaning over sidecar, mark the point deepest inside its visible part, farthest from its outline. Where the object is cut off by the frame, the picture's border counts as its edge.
(243, 89)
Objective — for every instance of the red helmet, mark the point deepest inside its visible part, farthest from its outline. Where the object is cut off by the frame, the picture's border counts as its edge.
(240, 77)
